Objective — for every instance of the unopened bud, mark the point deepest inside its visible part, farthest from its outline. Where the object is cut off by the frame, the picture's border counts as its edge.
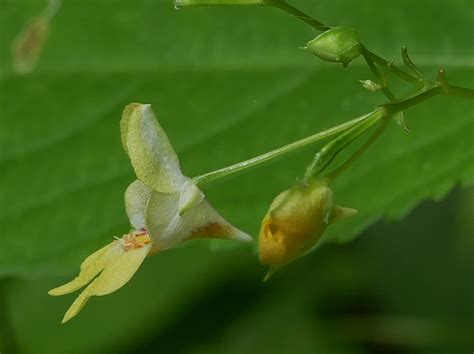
(296, 221)
(337, 45)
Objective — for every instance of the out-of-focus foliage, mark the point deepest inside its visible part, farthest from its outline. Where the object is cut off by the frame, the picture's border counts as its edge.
(214, 75)
(401, 288)
(227, 84)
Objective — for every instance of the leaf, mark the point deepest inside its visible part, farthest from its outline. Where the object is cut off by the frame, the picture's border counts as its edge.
(227, 84)
(65, 172)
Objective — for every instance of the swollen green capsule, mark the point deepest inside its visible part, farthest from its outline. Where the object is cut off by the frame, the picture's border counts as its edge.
(337, 45)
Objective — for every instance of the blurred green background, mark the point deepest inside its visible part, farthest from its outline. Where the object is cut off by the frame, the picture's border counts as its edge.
(228, 84)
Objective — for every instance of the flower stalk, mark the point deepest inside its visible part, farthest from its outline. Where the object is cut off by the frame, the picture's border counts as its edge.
(255, 161)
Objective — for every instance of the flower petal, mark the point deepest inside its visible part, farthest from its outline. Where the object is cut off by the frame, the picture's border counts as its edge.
(207, 223)
(168, 228)
(162, 219)
(153, 158)
(190, 195)
(92, 266)
(118, 272)
(136, 199)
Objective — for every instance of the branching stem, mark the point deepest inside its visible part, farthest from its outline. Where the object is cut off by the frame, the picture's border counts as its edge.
(350, 130)
(383, 112)
(283, 5)
(290, 9)
(211, 176)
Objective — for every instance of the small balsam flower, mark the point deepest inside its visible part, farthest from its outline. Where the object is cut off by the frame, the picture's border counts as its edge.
(164, 207)
(162, 200)
(181, 3)
(337, 45)
(295, 222)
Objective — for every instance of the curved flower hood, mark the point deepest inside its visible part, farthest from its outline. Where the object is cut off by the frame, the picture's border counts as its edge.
(163, 201)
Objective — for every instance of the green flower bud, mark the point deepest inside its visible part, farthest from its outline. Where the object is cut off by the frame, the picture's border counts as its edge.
(337, 45)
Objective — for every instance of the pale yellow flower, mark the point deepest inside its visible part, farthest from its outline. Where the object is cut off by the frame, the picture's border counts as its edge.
(164, 207)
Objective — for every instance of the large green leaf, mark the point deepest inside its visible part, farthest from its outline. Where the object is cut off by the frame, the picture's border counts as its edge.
(227, 83)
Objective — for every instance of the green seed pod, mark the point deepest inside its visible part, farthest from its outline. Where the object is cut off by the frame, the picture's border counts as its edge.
(337, 45)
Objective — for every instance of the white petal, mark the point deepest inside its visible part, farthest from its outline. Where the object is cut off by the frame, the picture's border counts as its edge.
(153, 158)
(189, 197)
(163, 219)
(168, 228)
(136, 199)
(206, 222)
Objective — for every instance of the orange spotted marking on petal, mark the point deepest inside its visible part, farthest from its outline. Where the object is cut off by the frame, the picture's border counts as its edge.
(135, 240)
(211, 230)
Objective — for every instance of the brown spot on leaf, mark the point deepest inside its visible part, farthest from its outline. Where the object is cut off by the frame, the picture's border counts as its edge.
(27, 47)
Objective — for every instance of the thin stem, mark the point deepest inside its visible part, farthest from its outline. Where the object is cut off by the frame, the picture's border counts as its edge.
(368, 59)
(460, 92)
(298, 14)
(211, 176)
(395, 69)
(395, 107)
(330, 151)
(388, 110)
(408, 62)
(375, 135)
(323, 158)
(381, 112)
(384, 87)
(283, 5)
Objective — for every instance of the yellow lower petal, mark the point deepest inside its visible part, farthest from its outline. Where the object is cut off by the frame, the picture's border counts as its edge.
(76, 306)
(92, 266)
(119, 270)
